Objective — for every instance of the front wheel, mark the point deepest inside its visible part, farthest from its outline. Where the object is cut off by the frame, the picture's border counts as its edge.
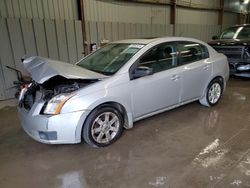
(103, 127)
(213, 93)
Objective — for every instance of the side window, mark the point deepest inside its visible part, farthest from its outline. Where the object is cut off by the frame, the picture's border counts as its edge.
(160, 58)
(190, 52)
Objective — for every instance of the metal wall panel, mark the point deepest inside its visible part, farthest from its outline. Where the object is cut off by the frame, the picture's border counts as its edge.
(93, 33)
(56, 9)
(229, 19)
(2, 88)
(201, 3)
(97, 31)
(16, 8)
(43, 9)
(51, 10)
(7, 58)
(62, 41)
(40, 37)
(61, 9)
(56, 39)
(9, 8)
(133, 20)
(34, 9)
(127, 30)
(100, 30)
(51, 37)
(121, 31)
(28, 37)
(125, 12)
(115, 31)
(71, 41)
(23, 13)
(79, 39)
(3, 9)
(40, 9)
(16, 41)
(190, 16)
(28, 9)
(108, 31)
(202, 32)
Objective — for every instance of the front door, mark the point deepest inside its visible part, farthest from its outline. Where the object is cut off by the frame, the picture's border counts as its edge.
(160, 90)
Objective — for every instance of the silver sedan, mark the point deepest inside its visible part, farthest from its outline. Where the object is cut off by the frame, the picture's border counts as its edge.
(123, 82)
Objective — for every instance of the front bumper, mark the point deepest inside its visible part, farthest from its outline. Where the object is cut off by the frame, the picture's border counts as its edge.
(52, 129)
(240, 69)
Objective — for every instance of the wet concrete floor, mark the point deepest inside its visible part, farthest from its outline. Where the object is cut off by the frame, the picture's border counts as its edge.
(191, 146)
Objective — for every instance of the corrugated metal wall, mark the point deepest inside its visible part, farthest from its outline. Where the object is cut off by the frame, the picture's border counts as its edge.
(203, 32)
(96, 31)
(229, 19)
(48, 28)
(199, 17)
(56, 39)
(48, 9)
(201, 3)
(125, 12)
(119, 20)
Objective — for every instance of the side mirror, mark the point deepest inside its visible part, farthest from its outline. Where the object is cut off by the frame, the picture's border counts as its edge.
(142, 71)
(215, 37)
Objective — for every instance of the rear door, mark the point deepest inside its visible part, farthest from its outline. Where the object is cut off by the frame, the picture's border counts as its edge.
(196, 69)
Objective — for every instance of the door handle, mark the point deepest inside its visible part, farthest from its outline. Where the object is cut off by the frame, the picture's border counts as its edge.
(206, 67)
(175, 77)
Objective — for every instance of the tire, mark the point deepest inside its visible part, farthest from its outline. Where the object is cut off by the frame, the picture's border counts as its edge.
(103, 127)
(213, 93)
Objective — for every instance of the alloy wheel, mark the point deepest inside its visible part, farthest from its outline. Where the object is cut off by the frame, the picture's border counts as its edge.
(105, 127)
(214, 93)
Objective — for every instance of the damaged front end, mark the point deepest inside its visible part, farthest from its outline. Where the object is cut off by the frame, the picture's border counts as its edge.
(53, 83)
(57, 88)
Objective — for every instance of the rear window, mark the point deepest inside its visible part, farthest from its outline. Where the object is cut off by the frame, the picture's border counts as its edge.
(190, 52)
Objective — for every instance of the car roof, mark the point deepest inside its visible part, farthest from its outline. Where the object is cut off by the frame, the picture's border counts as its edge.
(137, 41)
(150, 40)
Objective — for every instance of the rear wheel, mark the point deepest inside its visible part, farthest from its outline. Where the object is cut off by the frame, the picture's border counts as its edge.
(103, 127)
(213, 93)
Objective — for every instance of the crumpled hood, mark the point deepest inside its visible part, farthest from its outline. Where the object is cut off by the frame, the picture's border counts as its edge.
(42, 69)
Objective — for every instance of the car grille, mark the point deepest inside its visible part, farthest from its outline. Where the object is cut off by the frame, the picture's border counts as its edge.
(233, 53)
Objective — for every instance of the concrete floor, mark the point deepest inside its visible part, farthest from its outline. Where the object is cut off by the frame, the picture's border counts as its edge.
(191, 146)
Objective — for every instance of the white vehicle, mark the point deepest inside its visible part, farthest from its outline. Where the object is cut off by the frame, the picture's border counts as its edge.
(123, 82)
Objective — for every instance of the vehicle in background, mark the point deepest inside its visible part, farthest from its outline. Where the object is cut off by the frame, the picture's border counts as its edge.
(118, 84)
(234, 42)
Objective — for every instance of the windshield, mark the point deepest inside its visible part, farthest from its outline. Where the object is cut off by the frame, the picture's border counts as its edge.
(109, 59)
(236, 33)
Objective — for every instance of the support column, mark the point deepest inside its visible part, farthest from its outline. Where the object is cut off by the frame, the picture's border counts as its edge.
(221, 13)
(82, 18)
(173, 14)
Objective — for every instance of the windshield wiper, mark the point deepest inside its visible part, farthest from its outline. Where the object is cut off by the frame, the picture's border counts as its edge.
(103, 72)
(97, 71)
